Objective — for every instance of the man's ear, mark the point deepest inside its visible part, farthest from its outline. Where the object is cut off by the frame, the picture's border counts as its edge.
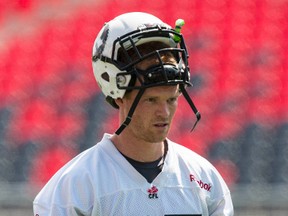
(119, 102)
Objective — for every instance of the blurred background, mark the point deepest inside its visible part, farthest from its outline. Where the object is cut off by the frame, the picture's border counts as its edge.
(51, 107)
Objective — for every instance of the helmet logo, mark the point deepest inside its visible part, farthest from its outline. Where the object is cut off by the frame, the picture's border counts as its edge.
(102, 42)
(150, 25)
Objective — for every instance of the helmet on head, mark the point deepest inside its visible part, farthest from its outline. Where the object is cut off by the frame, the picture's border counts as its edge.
(116, 54)
(114, 72)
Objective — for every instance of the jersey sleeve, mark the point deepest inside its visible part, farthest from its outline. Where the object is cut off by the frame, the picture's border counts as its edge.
(55, 209)
(220, 200)
(212, 188)
(222, 207)
(70, 196)
(68, 192)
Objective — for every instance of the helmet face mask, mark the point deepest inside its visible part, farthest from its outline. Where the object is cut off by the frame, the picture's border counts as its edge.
(116, 52)
(160, 44)
(129, 40)
(161, 73)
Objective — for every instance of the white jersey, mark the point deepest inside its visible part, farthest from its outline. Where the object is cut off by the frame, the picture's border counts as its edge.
(100, 181)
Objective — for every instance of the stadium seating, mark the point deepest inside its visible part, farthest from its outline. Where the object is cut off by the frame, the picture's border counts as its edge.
(51, 107)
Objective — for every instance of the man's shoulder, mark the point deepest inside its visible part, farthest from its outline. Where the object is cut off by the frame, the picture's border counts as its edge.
(184, 151)
(90, 157)
(190, 158)
(200, 169)
(85, 161)
(76, 173)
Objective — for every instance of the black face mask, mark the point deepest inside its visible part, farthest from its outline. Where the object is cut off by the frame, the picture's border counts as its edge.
(162, 74)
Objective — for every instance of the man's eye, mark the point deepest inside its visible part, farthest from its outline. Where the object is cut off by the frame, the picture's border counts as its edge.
(172, 100)
(151, 100)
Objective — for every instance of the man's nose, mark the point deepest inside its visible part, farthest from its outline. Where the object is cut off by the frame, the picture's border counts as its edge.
(163, 109)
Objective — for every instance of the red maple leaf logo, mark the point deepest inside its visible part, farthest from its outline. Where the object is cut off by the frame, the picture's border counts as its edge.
(152, 190)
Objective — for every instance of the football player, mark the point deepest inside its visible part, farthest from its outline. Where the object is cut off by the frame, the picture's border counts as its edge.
(140, 64)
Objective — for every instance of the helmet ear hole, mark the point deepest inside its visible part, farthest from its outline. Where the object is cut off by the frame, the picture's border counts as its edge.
(105, 76)
(112, 102)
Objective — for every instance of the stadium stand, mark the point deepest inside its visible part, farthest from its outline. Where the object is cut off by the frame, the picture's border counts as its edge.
(51, 107)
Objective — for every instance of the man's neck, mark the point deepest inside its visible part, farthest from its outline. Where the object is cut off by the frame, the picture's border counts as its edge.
(136, 149)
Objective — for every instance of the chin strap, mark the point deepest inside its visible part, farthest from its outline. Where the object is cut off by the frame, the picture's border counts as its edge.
(131, 111)
(137, 99)
(193, 107)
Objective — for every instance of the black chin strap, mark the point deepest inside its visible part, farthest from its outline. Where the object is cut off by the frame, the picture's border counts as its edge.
(131, 111)
(137, 99)
(193, 107)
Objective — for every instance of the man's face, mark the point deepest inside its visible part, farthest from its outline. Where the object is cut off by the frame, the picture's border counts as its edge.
(152, 118)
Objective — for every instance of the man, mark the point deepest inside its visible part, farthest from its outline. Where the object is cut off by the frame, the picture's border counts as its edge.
(141, 66)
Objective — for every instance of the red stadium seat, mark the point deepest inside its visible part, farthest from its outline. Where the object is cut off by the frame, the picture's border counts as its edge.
(238, 61)
(47, 162)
